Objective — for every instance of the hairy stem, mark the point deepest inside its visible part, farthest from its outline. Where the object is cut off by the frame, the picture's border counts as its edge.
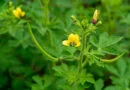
(82, 50)
(39, 46)
(45, 4)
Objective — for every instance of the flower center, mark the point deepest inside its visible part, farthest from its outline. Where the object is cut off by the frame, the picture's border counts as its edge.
(72, 44)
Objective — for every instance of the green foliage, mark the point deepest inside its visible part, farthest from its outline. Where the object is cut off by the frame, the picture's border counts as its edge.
(105, 43)
(72, 75)
(120, 77)
(32, 56)
(99, 84)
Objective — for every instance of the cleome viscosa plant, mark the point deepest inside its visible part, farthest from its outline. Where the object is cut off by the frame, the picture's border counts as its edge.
(75, 76)
(64, 45)
(85, 50)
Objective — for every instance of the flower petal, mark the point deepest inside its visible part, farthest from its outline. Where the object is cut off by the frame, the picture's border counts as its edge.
(16, 14)
(22, 14)
(66, 43)
(76, 37)
(73, 40)
(96, 14)
(71, 37)
(78, 44)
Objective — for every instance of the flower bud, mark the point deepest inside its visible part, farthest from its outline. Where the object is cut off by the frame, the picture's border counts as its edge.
(99, 22)
(73, 18)
(10, 4)
(95, 16)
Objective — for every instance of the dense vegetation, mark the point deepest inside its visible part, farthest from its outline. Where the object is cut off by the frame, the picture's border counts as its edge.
(65, 45)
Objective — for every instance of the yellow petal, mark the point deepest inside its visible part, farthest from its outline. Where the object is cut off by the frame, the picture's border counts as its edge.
(95, 16)
(77, 44)
(16, 14)
(66, 43)
(76, 37)
(71, 37)
(22, 14)
(19, 10)
(73, 40)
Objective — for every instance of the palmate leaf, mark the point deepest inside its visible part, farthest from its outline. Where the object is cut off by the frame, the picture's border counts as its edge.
(113, 88)
(61, 70)
(86, 77)
(121, 74)
(120, 70)
(99, 84)
(94, 41)
(63, 3)
(105, 40)
(69, 74)
(126, 19)
(112, 3)
(39, 83)
(72, 75)
(105, 44)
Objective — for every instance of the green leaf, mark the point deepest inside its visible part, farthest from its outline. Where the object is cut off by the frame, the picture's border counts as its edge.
(112, 69)
(85, 77)
(99, 84)
(113, 88)
(61, 70)
(68, 50)
(38, 80)
(3, 31)
(94, 41)
(120, 73)
(105, 40)
(115, 2)
(122, 66)
(111, 3)
(126, 19)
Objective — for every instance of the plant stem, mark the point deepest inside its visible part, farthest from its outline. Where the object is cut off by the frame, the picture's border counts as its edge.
(82, 49)
(39, 46)
(45, 4)
(46, 11)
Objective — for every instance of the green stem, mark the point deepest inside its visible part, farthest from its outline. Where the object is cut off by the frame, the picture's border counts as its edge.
(82, 50)
(39, 46)
(46, 11)
(84, 63)
(45, 4)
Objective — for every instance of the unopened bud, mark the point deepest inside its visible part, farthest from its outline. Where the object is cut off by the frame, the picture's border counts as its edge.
(99, 22)
(95, 16)
(94, 21)
(10, 4)
(73, 18)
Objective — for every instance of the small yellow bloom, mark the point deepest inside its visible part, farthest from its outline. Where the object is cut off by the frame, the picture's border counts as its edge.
(73, 40)
(18, 12)
(95, 16)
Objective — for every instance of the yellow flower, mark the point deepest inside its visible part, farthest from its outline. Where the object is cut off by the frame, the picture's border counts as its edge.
(95, 16)
(73, 40)
(18, 13)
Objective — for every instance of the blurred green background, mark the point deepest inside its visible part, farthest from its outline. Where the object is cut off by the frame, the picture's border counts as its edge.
(23, 67)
